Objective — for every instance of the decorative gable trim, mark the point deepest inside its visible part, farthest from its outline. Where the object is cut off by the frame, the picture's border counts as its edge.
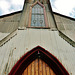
(37, 2)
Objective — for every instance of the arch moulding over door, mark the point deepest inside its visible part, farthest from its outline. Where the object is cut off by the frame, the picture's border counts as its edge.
(38, 52)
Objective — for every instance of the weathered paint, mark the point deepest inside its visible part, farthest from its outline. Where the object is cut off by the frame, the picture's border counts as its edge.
(27, 39)
(9, 23)
(66, 26)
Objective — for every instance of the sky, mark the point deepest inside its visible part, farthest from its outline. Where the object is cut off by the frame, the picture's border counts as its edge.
(65, 7)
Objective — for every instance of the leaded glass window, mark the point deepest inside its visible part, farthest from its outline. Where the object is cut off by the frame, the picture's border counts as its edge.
(37, 18)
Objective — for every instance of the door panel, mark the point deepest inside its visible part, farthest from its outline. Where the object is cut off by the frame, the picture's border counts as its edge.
(38, 67)
(33, 68)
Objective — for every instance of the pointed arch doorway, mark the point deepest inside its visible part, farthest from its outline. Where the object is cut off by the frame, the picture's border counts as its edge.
(38, 61)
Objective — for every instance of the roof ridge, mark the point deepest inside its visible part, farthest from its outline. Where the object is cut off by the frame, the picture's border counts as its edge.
(8, 37)
(63, 15)
(66, 38)
(16, 12)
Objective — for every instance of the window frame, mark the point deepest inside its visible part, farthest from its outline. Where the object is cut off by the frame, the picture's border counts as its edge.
(30, 15)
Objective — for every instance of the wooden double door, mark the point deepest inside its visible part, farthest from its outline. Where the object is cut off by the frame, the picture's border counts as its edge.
(38, 67)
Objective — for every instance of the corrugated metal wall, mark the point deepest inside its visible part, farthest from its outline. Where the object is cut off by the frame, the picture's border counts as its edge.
(27, 39)
(66, 25)
(9, 23)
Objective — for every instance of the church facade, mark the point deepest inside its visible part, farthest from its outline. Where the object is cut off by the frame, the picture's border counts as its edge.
(37, 41)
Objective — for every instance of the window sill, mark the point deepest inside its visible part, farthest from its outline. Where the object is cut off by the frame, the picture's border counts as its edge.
(39, 27)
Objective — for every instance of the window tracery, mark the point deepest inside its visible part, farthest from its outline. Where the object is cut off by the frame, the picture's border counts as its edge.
(37, 18)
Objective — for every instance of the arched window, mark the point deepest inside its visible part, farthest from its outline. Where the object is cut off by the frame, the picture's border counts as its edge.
(37, 17)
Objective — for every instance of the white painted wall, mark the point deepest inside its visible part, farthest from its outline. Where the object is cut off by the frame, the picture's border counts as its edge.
(66, 26)
(26, 40)
(3, 35)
